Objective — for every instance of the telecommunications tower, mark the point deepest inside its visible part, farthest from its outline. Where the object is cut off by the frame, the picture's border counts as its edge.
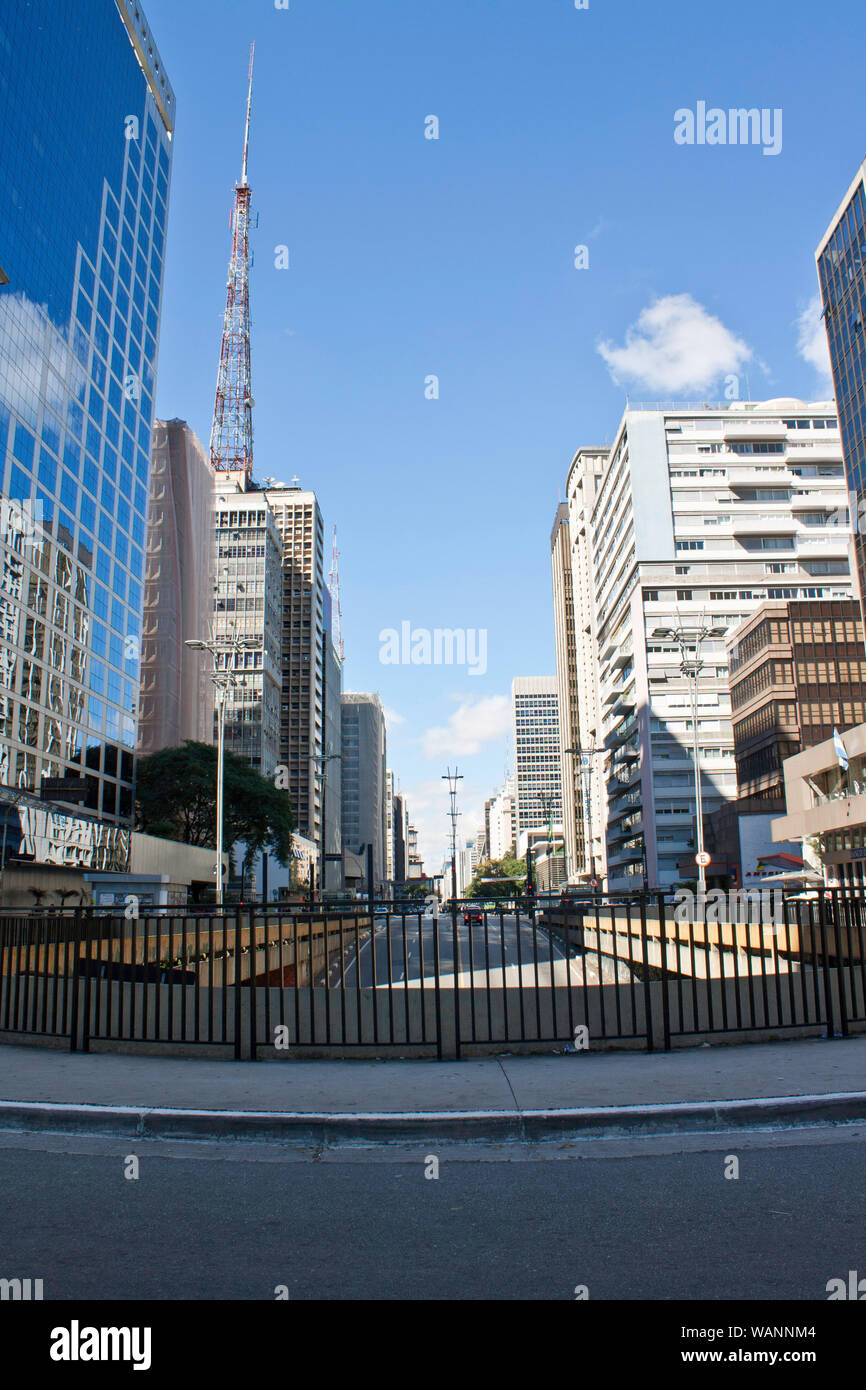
(231, 440)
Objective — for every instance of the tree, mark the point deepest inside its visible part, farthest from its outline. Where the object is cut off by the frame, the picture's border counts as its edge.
(511, 871)
(176, 799)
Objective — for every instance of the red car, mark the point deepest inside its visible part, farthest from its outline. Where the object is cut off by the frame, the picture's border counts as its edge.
(472, 914)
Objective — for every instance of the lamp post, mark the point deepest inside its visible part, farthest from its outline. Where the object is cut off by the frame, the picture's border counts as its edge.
(320, 761)
(223, 678)
(691, 665)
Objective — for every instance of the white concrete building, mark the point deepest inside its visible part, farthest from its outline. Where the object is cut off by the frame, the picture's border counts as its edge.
(701, 514)
(502, 837)
(535, 722)
(247, 609)
(583, 797)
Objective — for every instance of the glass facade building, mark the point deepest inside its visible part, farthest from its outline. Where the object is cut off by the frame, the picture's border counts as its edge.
(841, 261)
(86, 114)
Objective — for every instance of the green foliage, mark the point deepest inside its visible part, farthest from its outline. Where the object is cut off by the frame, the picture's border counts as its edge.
(176, 799)
(511, 871)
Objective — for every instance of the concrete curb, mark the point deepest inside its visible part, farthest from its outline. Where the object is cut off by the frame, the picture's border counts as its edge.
(327, 1130)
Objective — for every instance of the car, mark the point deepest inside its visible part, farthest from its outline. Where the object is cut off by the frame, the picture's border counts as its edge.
(472, 914)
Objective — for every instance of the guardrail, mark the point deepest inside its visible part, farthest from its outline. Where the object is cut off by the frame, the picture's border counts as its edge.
(644, 971)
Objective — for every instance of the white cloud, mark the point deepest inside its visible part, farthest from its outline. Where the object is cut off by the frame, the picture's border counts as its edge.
(392, 717)
(676, 346)
(473, 724)
(812, 339)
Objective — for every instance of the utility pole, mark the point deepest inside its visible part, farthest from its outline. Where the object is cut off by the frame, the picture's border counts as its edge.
(689, 641)
(223, 678)
(452, 778)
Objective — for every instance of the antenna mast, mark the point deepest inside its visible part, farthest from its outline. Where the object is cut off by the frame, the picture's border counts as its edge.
(231, 441)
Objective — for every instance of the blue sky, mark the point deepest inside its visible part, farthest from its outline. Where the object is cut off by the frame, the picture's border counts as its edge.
(412, 257)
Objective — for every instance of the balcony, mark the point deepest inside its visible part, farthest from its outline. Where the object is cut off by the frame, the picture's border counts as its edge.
(746, 430)
(622, 732)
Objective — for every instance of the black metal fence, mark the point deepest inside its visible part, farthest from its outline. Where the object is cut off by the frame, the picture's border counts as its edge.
(643, 971)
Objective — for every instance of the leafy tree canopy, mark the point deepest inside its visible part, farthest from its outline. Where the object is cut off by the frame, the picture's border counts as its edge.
(176, 798)
(507, 869)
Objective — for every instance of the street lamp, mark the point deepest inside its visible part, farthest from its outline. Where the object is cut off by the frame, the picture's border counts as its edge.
(223, 678)
(321, 761)
(691, 666)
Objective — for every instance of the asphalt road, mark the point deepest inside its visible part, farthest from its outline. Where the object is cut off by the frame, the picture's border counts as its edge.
(402, 950)
(223, 1222)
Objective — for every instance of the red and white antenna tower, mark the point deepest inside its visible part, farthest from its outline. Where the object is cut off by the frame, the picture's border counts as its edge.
(231, 440)
(334, 590)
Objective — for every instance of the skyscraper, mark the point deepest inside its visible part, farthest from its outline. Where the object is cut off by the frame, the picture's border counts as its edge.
(176, 691)
(364, 780)
(247, 566)
(311, 671)
(841, 259)
(535, 716)
(87, 115)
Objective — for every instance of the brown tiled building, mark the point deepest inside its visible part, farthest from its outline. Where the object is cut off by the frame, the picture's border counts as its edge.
(797, 670)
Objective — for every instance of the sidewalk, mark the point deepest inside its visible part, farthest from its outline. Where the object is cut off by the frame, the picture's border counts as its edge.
(505, 1097)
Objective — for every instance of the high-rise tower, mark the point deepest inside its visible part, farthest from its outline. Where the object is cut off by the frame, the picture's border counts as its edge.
(231, 441)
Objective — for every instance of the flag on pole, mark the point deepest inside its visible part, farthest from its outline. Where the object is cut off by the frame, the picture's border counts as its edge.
(839, 749)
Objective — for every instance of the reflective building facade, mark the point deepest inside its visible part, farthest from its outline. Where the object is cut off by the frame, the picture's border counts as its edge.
(86, 113)
(841, 261)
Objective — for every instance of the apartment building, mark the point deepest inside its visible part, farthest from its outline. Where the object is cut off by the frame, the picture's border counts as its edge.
(701, 514)
(577, 670)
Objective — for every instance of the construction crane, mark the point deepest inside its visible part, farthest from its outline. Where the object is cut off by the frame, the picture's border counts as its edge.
(231, 441)
(334, 590)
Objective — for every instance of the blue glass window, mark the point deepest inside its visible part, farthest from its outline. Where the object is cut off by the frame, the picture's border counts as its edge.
(72, 457)
(68, 493)
(87, 513)
(106, 531)
(24, 446)
(103, 566)
(47, 471)
(123, 516)
(98, 639)
(90, 476)
(20, 486)
(51, 431)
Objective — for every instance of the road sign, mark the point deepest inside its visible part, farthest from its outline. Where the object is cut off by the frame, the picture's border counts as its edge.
(593, 883)
(702, 859)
